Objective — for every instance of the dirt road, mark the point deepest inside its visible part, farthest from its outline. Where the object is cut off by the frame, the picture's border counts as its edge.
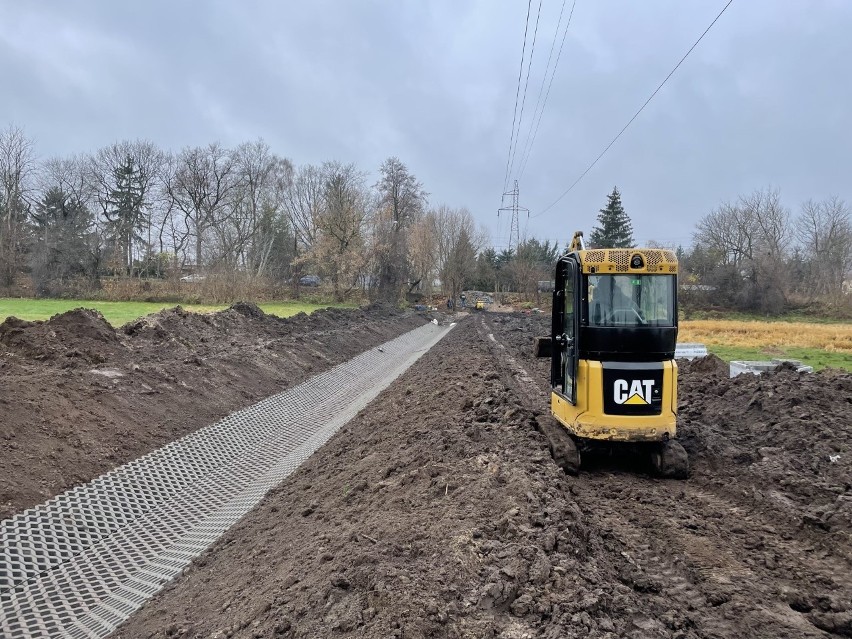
(437, 512)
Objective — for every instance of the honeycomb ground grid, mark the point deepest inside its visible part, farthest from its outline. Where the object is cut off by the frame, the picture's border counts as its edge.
(81, 563)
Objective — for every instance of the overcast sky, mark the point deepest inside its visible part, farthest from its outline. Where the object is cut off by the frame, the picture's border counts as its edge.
(765, 99)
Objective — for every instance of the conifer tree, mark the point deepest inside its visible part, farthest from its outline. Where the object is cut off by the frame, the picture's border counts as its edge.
(124, 212)
(614, 229)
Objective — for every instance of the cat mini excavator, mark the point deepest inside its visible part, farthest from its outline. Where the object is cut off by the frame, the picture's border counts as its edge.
(613, 375)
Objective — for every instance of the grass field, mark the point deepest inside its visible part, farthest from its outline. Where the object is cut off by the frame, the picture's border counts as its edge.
(118, 313)
(816, 344)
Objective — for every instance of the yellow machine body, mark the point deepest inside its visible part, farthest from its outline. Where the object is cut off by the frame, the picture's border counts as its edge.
(588, 420)
(636, 345)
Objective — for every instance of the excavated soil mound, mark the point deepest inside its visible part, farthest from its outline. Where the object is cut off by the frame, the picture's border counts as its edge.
(80, 336)
(78, 398)
(792, 429)
(248, 309)
(438, 512)
(709, 365)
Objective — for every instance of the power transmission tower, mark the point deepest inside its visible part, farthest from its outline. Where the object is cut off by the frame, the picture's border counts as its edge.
(514, 228)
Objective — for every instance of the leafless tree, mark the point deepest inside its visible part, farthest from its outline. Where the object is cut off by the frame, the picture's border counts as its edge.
(304, 201)
(423, 248)
(825, 232)
(752, 235)
(199, 182)
(258, 203)
(173, 235)
(17, 166)
(458, 241)
(70, 175)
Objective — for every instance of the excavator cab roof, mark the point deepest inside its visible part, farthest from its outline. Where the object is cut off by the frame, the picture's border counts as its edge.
(623, 260)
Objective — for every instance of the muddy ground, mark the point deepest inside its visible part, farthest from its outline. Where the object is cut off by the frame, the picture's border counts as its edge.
(78, 397)
(438, 512)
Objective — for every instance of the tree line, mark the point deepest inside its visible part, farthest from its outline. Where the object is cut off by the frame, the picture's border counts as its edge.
(758, 254)
(754, 253)
(132, 209)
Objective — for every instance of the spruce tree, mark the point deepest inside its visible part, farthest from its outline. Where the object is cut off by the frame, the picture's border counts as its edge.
(124, 210)
(614, 229)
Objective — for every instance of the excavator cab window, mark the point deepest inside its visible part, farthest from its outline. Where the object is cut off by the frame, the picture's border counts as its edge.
(631, 300)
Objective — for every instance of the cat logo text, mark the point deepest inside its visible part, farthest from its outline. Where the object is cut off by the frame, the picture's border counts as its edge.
(634, 392)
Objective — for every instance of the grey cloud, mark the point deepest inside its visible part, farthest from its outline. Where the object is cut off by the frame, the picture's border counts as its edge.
(763, 100)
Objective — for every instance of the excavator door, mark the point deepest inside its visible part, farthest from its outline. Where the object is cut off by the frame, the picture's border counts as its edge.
(564, 329)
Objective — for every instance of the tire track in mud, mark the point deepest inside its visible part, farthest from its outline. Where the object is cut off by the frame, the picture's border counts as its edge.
(699, 551)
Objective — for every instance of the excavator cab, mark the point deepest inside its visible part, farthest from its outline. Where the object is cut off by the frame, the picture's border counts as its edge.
(613, 376)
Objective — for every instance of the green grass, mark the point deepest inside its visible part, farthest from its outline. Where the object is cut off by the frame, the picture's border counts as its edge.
(118, 313)
(815, 357)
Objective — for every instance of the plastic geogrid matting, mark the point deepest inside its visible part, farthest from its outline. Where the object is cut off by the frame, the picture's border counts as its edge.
(80, 564)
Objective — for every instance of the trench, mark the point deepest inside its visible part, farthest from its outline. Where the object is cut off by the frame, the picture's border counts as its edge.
(82, 563)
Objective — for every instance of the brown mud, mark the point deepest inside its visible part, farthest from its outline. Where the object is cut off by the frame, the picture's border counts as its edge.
(438, 512)
(78, 398)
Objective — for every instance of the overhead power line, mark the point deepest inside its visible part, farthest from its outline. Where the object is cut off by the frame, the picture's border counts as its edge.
(526, 84)
(525, 156)
(635, 115)
(517, 95)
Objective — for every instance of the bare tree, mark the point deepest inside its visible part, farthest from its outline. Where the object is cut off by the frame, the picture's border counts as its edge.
(825, 232)
(423, 249)
(17, 165)
(70, 175)
(305, 201)
(458, 241)
(199, 182)
(259, 213)
(532, 263)
(752, 236)
(173, 235)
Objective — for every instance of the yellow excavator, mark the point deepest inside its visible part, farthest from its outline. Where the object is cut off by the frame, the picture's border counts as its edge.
(613, 376)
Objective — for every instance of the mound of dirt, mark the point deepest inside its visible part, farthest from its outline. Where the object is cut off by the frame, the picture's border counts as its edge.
(793, 429)
(78, 398)
(709, 365)
(82, 336)
(178, 324)
(248, 309)
(12, 327)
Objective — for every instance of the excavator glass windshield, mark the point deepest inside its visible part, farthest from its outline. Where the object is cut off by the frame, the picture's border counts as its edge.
(631, 300)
